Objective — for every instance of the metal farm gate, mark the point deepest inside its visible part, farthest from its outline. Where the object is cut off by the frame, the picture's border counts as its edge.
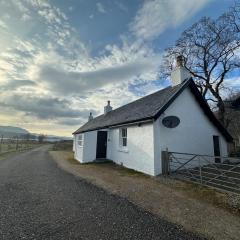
(218, 172)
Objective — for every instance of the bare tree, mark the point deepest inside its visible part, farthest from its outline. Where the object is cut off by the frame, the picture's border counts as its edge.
(234, 15)
(232, 114)
(41, 138)
(210, 50)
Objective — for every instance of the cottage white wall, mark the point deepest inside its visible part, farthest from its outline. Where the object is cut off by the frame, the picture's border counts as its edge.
(74, 142)
(78, 153)
(194, 134)
(87, 152)
(89, 146)
(139, 154)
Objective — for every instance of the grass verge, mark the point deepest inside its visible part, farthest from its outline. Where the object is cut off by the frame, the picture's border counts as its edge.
(196, 208)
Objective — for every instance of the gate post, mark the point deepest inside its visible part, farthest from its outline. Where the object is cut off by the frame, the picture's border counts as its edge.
(165, 163)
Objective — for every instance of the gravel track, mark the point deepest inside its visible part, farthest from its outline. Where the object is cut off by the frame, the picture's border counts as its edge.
(38, 200)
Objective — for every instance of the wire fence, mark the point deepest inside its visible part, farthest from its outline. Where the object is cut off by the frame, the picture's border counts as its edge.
(15, 144)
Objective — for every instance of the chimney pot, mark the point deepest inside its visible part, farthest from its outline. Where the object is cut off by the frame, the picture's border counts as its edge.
(179, 61)
(90, 117)
(180, 73)
(107, 108)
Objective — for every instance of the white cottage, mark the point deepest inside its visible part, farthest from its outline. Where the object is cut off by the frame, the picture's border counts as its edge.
(176, 118)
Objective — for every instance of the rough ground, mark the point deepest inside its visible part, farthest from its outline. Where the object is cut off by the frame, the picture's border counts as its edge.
(158, 197)
(38, 200)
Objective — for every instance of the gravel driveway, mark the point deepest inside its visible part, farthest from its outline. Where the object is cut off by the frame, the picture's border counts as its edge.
(38, 200)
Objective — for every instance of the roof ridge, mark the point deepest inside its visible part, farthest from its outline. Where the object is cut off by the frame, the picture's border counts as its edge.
(139, 99)
(132, 102)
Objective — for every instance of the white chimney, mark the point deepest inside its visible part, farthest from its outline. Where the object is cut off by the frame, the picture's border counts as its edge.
(90, 117)
(180, 73)
(107, 108)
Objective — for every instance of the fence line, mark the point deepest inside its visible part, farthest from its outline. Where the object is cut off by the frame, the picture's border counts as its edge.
(14, 144)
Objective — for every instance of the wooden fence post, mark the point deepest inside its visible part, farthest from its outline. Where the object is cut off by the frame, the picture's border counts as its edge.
(17, 144)
(1, 144)
(165, 162)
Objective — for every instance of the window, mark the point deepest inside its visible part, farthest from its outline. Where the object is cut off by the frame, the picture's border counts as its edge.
(123, 137)
(80, 140)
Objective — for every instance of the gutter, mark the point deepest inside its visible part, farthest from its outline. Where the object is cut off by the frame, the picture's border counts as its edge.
(133, 123)
(146, 120)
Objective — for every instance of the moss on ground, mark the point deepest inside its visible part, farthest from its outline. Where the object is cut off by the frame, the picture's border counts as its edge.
(73, 161)
(63, 146)
(6, 155)
(228, 201)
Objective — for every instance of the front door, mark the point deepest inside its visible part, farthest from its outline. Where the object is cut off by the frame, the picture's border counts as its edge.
(216, 147)
(101, 144)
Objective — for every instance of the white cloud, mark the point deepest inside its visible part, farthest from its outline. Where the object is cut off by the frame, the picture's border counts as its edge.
(3, 25)
(25, 17)
(121, 6)
(117, 65)
(15, 84)
(68, 82)
(100, 7)
(43, 107)
(49, 15)
(59, 65)
(155, 16)
(233, 82)
(20, 5)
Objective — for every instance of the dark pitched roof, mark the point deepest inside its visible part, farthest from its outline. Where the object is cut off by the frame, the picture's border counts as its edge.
(149, 108)
(141, 109)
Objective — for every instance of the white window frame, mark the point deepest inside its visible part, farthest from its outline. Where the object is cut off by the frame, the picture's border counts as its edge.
(80, 140)
(122, 136)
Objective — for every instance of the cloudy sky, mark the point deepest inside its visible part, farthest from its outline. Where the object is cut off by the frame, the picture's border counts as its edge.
(61, 59)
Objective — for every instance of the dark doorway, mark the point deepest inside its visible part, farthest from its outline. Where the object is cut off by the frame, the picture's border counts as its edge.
(101, 144)
(216, 146)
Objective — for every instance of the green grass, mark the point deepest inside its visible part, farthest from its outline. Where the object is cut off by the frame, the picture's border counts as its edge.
(63, 146)
(73, 161)
(123, 171)
(209, 195)
(8, 152)
(6, 155)
(130, 172)
(11, 147)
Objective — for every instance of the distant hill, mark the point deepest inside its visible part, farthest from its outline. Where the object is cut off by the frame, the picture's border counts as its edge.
(10, 131)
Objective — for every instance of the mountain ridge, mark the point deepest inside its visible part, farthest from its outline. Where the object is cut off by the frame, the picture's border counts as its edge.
(12, 131)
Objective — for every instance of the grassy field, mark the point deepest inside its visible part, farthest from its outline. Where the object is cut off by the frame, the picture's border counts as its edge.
(8, 147)
(63, 146)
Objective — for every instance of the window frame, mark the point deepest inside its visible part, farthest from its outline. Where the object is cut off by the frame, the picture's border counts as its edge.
(80, 141)
(123, 138)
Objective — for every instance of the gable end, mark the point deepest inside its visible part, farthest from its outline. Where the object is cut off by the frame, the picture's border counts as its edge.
(201, 101)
